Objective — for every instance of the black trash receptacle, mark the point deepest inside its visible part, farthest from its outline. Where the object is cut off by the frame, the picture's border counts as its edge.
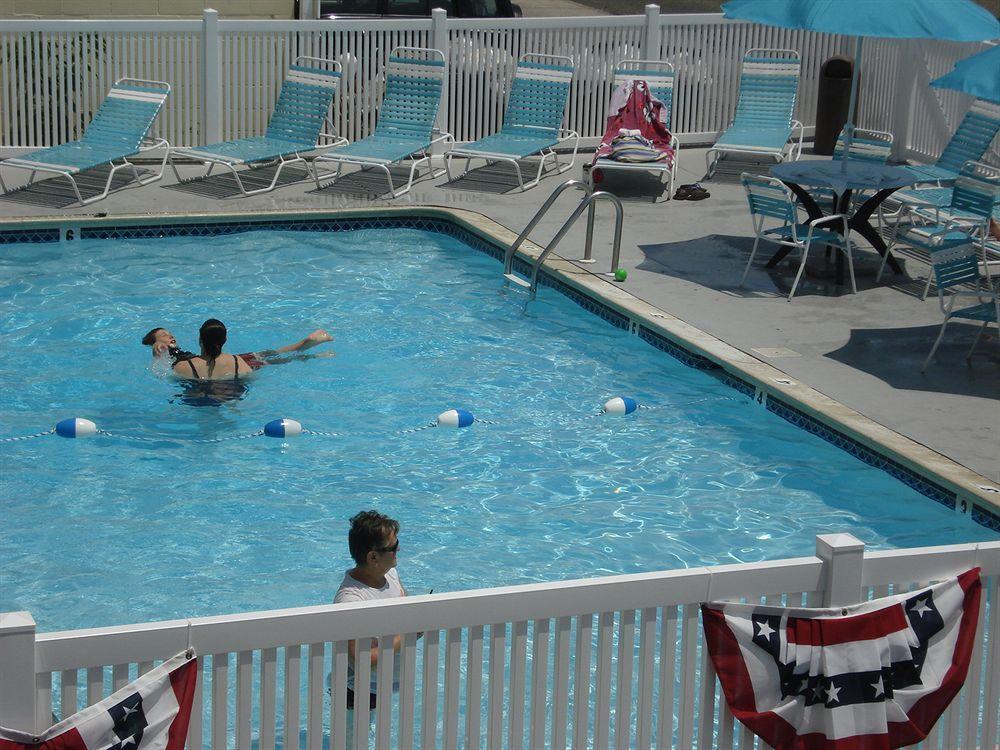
(832, 101)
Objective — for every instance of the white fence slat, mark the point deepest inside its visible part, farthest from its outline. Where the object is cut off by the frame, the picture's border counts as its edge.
(972, 690)
(667, 678)
(991, 696)
(119, 676)
(706, 707)
(338, 696)
(623, 683)
(429, 690)
(582, 680)
(95, 685)
(647, 668)
(539, 681)
(518, 666)
(474, 687)
(726, 722)
(494, 705)
(293, 705)
(689, 663)
(407, 690)
(244, 697)
(43, 699)
(362, 691)
(220, 701)
(383, 709)
(602, 683)
(268, 697)
(68, 693)
(195, 737)
(314, 696)
(452, 685)
(560, 682)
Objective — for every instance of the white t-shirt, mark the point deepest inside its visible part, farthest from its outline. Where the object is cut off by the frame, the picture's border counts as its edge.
(352, 590)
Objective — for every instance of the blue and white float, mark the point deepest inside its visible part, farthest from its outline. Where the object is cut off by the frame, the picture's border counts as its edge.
(282, 428)
(620, 405)
(75, 427)
(455, 418)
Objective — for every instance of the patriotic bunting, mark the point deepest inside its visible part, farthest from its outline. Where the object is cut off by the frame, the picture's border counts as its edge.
(874, 675)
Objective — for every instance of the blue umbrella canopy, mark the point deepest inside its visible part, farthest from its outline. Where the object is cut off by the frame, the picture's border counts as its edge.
(978, 75)
(956, 20)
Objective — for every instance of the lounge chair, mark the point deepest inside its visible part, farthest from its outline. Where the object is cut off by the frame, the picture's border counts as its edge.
(764, 123)
(533, 121)
(772, 201)
(970, 142)
(414, 82)
(659, 77)
(120, 129)
(975, 197)
(296, 127)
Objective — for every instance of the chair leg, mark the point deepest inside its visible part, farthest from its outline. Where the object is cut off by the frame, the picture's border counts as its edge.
(798, 275)
(753, 252)
(927, 286)
(850, 264)
(975, 341)
(934, 348)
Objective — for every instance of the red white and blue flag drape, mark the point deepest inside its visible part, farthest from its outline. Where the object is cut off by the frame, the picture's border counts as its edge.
(151, 713)
(870, 676)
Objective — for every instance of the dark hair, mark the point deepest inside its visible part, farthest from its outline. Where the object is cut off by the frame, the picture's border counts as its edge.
(150, 338)
(369, 530)
(212, 336)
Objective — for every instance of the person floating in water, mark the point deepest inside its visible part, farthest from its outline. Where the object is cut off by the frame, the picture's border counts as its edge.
(164, 346)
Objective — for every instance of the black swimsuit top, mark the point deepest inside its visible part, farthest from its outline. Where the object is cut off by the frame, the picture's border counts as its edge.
(236, 367)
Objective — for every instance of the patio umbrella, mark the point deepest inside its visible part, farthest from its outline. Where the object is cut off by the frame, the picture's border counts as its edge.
(978, 76)
(955, 20)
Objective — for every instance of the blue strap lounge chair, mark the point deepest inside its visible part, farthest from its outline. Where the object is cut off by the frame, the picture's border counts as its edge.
(414, 83)
(659, 77)
(971, 140)
(764, 123)
(975, 198)
(532, 122)
(120, 129)
(296, 127)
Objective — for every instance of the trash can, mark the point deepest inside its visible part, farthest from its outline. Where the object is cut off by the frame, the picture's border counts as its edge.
(832, 101)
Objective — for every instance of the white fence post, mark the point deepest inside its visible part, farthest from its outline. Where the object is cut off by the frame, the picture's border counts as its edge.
(17, 671)
(211, 81)
(906, 79)
(439, 40)
(843, 558)
(651, 43)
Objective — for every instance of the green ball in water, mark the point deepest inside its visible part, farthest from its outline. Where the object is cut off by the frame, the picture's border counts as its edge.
(621, 274)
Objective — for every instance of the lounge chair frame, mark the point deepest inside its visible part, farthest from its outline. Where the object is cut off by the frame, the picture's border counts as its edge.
(148, 143)
(424, 153)
(564, 135)
(658, 82)
(792, 148)
(325, 141)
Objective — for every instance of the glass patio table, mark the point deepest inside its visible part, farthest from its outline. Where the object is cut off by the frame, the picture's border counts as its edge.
(882, 180)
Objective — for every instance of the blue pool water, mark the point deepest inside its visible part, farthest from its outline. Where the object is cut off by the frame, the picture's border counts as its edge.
(114, 530)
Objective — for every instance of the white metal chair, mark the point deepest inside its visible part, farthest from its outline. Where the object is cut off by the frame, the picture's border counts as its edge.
(770, 199)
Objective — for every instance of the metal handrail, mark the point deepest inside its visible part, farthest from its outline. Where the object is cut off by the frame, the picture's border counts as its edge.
(586, 204)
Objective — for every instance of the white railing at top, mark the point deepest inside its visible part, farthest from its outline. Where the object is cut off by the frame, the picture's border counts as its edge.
(226, 74)
(570, 664)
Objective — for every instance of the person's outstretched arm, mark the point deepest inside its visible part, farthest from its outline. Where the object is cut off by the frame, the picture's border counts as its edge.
(317, 337)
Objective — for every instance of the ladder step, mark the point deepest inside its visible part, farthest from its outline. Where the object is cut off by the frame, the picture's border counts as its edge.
(517, 280)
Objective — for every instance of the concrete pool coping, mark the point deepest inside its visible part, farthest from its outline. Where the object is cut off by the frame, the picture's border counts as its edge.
(768, 381)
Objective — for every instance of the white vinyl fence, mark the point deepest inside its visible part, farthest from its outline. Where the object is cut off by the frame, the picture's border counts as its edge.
(608, 662)
(226, 74)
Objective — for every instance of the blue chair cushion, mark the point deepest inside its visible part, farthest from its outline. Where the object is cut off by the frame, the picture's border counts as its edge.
(249, 150)
(74, 156)
(510, 146)
(379, 149)
(766, 140)
(921, 236)
(985, 312)
(928, 173)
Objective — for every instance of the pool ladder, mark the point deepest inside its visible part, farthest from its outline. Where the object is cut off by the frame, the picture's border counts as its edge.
(586, 204)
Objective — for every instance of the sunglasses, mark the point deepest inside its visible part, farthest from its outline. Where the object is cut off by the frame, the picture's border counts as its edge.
(386, 550)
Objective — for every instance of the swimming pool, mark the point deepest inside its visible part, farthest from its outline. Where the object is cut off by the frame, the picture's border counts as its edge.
(115, 529)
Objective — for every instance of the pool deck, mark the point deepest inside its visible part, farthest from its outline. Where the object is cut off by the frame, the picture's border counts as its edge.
(686, 259)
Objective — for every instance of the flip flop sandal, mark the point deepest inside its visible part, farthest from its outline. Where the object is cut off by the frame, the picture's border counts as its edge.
(683, 193)
(698, 193)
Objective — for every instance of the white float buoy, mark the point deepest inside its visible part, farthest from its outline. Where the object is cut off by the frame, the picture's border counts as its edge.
(455, 418)
(75, 427)
(620, 405)
(283, 428)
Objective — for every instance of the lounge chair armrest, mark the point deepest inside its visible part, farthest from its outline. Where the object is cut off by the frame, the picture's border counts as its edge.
(827, 219)
(150, 143)
(796, 150)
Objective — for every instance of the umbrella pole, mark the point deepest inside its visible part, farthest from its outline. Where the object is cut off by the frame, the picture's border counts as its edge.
(849, 127)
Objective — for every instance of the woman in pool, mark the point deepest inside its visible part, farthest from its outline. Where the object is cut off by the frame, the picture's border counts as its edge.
(212, 363)
(164, 345)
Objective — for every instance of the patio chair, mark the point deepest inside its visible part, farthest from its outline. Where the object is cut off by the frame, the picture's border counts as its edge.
(119, 129)
(659, 77)
(415, 79)
(970, 142)
(866, 145)
(296, 127)
(771, 199)
(976, 195)
(532, 123)
(764, 123)
(955, 263)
